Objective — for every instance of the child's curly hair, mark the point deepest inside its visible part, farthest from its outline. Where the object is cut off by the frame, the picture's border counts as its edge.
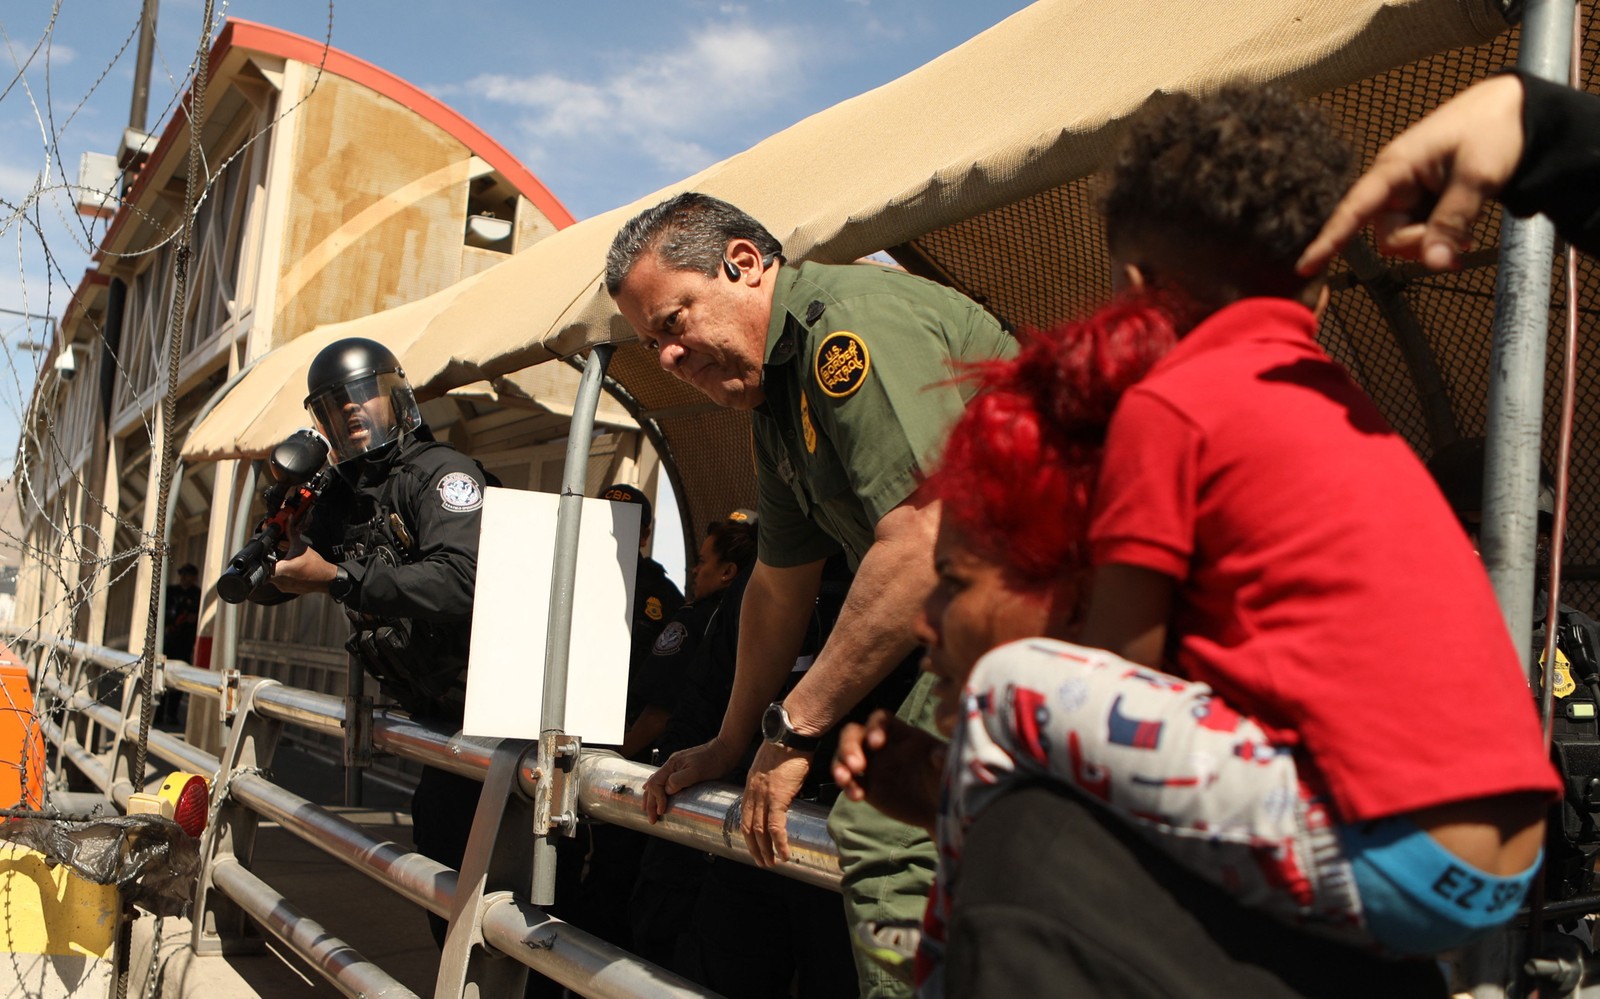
(1239, 181)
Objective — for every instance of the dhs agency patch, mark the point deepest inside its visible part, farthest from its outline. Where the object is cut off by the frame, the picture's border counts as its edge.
(653, 610)
(460, 493)
(671, 639)
(842, 364)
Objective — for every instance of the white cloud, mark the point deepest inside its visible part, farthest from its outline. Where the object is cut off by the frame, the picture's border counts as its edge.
(16, 182)
(663, 105)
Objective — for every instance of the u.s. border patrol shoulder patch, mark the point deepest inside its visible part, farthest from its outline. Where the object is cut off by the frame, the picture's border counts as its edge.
(671, 639)
(460, 493)
(842, 364)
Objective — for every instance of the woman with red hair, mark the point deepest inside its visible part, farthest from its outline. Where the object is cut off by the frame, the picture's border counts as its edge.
(1164, 756)
(1209, 204)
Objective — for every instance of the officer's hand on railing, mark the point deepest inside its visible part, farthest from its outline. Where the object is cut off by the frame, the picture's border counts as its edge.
(775, 779)
(893, 766)
(685, 768)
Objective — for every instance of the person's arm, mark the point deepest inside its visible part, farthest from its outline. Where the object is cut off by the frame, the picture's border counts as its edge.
(1559, 173)
(646, 728)
(778, 604)
(892, 766)
(302, 569)
(1534, 143)
(872, 636)
(1426, 188)
(1128, 611)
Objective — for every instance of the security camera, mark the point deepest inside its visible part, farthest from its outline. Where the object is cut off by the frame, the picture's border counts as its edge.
(67, 364)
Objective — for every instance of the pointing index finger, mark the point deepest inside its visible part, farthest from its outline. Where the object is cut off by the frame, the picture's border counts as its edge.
(1374, 192)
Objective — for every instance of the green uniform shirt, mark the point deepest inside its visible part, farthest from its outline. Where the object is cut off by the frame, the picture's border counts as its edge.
(859, 400)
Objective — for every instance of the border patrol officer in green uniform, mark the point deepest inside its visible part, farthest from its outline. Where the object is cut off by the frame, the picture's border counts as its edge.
(848, 372)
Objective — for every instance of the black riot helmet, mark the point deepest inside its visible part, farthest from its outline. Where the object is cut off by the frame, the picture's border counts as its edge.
(359, 397)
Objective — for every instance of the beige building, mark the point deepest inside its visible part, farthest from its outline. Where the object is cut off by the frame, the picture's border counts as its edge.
(336, 190)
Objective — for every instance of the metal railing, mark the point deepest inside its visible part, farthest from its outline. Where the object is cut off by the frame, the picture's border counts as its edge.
(95, 738)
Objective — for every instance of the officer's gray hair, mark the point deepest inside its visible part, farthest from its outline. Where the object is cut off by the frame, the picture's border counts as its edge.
(689, 232)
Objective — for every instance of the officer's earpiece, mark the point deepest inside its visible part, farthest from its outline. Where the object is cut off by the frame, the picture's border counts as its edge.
(731, 269)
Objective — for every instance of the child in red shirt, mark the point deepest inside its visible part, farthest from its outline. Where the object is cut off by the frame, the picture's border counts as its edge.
(1265, 539)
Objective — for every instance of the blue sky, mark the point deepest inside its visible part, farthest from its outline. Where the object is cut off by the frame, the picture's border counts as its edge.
(605, 101)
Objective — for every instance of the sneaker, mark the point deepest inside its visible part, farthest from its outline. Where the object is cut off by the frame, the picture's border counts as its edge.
(891, 944)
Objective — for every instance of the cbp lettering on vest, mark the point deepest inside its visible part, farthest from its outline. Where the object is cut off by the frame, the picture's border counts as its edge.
(848, 374)
(394, 540)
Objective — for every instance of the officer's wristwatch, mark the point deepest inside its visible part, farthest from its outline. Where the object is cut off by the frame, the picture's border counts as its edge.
(775, 728)
(340, 585)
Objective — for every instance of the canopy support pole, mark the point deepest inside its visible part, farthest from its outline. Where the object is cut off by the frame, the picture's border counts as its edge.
(563, 586)
(1517, 363)
(1515, 422)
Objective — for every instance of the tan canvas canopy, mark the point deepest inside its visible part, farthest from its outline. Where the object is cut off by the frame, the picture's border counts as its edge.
(972, 170)
(1024, 107)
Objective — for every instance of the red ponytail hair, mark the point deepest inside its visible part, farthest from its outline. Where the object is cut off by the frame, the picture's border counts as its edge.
(1018, 472)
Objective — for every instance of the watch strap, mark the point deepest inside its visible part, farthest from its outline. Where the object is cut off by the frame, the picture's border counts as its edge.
(786, 736)
(341, 584)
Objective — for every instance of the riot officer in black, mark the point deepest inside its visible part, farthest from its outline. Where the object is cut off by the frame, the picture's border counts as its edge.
(394, 539)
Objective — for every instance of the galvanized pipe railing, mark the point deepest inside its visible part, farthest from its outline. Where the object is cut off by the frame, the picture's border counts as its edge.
(705, 817)
(611, 789)
(549, 946)
(338, 962)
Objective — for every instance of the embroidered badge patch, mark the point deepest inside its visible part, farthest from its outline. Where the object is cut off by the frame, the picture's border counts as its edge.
(806, 428)
(842, 364)
(460, 493)
(671, 639)
(652, 608)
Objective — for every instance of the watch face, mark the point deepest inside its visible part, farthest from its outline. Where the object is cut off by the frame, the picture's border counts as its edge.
(772, 727)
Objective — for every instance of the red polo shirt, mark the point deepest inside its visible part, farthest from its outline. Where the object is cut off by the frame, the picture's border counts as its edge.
(1323, 584)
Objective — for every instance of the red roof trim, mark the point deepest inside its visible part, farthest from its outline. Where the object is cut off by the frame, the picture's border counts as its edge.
(288, 45)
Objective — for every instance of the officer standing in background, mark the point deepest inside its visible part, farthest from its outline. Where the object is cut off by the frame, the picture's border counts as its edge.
(726, 555)
(655, 597)
(394, 540)
(847, 371)
(182, 617)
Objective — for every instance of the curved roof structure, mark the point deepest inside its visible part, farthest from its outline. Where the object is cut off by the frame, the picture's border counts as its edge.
(239, 37)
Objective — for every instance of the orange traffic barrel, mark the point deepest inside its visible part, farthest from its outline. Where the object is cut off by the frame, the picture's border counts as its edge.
(21, 738)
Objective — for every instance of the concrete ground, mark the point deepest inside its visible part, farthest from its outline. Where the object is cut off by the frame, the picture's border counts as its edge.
(383, 928)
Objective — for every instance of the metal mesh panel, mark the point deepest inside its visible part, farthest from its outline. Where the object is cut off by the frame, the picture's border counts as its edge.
(1032, 263)
(708, 447)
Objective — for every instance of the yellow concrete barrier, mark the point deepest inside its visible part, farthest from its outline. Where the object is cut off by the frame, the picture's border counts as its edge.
(60, 930)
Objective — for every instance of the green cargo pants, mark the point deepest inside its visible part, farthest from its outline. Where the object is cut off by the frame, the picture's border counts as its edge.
(888, 866)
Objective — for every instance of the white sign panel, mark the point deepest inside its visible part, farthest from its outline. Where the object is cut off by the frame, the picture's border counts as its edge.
(511, 617)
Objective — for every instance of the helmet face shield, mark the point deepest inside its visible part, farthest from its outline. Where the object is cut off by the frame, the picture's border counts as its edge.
(364, 413)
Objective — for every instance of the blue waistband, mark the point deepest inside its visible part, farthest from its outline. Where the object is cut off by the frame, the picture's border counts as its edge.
(1419, 898)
